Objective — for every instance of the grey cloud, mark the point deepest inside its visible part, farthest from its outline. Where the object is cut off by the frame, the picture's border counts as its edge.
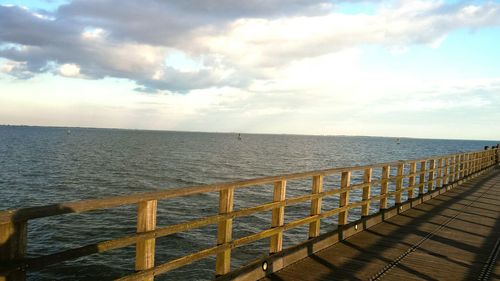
(160, 25)
(56, 39)
(170, 22)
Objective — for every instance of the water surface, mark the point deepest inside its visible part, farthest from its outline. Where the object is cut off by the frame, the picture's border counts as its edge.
(40, 166)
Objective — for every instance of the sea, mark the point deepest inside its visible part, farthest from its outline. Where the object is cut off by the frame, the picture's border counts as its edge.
(47, 165)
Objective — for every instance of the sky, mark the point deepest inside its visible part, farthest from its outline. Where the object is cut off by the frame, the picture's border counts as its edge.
(427, 69)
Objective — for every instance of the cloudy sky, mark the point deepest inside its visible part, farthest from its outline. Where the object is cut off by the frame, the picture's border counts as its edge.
(382, 68)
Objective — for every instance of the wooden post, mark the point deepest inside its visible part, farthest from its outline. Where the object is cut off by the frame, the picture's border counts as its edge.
(421, 179)
(399, 182)
(456, 176)
(145, 249)
(367, 179)
(462, 166)
(439, 182)
(384, 186)
(430, 178)
(473, 164)
(446, 178)
(411, 179)
(278, 217)
(475, 168)
(224, 231)
(345, 183)
(13, 238)
(478, 162)
(466, 165)
(317, 187)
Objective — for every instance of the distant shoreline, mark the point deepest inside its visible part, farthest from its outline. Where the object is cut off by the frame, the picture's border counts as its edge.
(228, 132)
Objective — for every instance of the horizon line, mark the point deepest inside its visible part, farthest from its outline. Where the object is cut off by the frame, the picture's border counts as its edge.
(239, 132)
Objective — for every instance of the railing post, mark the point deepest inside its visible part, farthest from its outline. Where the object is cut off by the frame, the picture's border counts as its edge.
(367, 179)
(421, 178)
(278, 217)
(439, 176)
(446, 169)
(469, 159)
(317, 187)
(485, 159)
(411, 179)
(13, 238)
(224, 231)
(345, 183)
(430, 179)
(384, 186)
(456, 175)
(473, 164)
(462, 166)
(481, 161)
(476, 162)
(466, 165)
(145, 249)
(399, 182)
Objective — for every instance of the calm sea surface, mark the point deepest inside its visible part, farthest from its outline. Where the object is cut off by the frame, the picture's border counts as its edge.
(40, 166)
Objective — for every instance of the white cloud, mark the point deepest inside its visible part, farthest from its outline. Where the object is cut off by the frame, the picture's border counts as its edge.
(226, 46)
(69, 70)
(93, 33)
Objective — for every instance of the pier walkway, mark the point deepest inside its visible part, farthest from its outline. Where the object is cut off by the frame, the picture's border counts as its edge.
(454, 236)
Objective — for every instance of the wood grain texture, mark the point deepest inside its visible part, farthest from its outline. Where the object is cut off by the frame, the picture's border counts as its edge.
(145, 249)
(317, 187)
(386, 170)
(345, 182)
(278, 217)
(399, 182)
(224, 232)
(367, 179)
(13, 241)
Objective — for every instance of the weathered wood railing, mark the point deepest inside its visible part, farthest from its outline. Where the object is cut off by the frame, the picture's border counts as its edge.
(433, 172)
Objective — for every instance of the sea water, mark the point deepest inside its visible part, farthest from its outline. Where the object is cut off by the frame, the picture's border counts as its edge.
(41, 165)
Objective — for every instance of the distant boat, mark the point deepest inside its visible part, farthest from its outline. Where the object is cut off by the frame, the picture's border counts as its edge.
(68, 132)
(397, 141)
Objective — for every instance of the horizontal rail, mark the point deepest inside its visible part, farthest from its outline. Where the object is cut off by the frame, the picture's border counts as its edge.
(24, 214)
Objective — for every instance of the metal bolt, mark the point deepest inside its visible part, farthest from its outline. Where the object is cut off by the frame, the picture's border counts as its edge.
(264, 266)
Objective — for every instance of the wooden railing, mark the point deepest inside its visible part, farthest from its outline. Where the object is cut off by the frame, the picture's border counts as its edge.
(412, 178)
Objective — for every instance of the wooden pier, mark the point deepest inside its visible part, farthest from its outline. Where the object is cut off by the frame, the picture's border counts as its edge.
(453, 236)
(436, 219)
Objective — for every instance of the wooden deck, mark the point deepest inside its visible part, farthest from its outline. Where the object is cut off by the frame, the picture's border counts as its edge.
(454, 236)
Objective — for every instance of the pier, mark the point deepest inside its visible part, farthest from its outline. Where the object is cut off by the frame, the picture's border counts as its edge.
(436, 218)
